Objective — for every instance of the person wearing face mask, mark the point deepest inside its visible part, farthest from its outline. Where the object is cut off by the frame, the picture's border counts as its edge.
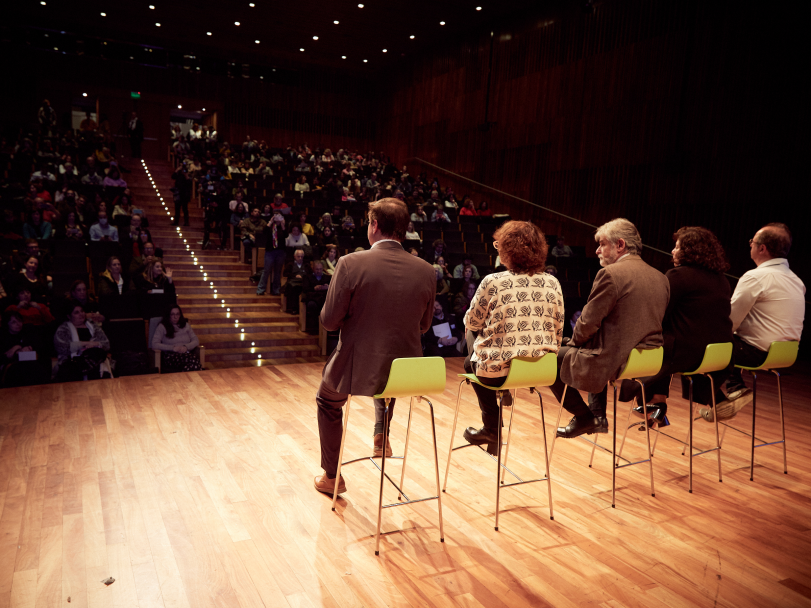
(624, 311)
(102, 230)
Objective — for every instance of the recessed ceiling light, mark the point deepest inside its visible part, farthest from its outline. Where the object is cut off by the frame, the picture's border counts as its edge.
(343, 56)
(204, 109)
(42, 3)
(335, 22)
(441, 23)
(256, 41)
(236, 22)
(251, 4)
(478, 8)
(179, 107)
(315, 37)
(84, 94)
(157, 24)
(365, 61)
(385, 51)
(412, 37)
(104, 14)
(208, 33)
(152, 7)
(302, 50)
(360, 6)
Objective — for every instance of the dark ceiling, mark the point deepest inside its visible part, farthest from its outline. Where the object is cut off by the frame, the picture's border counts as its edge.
(281, 27)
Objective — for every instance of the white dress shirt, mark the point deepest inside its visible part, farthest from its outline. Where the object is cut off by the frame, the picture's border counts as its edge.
(768, 305)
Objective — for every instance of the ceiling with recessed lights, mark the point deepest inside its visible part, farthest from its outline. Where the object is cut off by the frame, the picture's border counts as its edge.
(368, 36)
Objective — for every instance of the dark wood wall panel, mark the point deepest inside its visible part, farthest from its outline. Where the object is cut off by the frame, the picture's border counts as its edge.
(668, 113)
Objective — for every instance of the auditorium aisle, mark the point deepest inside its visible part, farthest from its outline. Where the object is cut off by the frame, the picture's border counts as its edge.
(264, 334)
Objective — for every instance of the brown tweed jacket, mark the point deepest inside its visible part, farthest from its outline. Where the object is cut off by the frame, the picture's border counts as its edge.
(381, 300)
(624, 311)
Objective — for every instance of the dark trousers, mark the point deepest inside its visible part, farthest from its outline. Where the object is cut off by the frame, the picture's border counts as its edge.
(182, 204)
(574, 403)
(488, 403)
(135, 144)
(274, 264)
(292, 291)
(330, 424)
(743, 354)
(660, 385)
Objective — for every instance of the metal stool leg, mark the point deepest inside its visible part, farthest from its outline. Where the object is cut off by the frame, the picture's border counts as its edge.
(613, 454)
(782, 423)
(754, 417)
(593, 448)
(453, 432)
(715, 418)
(405, 450)
(382, 474)
(509, 435)
(625, 432)
(341, 451)
(557, 424)
(498, 461)
(647, 435)
(690, 437)
(546, 454)
(436, 468)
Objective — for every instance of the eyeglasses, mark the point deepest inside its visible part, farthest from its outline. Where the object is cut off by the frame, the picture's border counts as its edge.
(753, 241)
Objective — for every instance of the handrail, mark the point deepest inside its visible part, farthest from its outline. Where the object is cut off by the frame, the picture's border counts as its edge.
(547, 209)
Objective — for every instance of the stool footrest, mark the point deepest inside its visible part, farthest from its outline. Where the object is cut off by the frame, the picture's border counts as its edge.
(630, 464)
(343, 464)
(522, 482)
(410, 501)
(762, 442)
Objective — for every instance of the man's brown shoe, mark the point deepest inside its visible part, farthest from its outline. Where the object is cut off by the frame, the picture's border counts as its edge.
(327, 485)
(378, 446)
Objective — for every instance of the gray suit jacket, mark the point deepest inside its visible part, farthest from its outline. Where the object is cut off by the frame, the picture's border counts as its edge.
(381, 300)
(625, 310)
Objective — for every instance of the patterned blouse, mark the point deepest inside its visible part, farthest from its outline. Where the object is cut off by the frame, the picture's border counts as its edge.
(516, 315)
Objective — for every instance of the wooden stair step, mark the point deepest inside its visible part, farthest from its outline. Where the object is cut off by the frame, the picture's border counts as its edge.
(234, 299)
(226, 328)
(265, 308)
(262, 362)
(223, 292)
(215, 316)
(268, 352)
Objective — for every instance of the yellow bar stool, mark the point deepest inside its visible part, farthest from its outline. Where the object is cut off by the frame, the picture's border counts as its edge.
(781, 355)
(524, 373)
(640, 364)
(409, 377)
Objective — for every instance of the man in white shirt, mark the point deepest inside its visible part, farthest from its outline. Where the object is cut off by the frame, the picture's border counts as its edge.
(768, 305)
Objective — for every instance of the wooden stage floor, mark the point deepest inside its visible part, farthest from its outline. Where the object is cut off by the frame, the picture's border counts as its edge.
(196, 490)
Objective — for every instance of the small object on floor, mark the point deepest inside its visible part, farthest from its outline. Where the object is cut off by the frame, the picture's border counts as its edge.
(108, 581)
(327, 486)
(378, 446)
(728, 408)
(583, 426)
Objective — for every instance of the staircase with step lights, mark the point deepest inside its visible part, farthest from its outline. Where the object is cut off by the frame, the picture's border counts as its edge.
(237, 327)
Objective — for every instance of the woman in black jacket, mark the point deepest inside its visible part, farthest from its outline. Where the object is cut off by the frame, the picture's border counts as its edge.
(697, 315)
(156, 293)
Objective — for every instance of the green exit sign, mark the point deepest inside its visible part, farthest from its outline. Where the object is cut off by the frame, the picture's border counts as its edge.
(135, 94)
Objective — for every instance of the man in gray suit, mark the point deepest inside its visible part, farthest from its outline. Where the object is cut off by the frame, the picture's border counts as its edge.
(624, 311)
(381, 300)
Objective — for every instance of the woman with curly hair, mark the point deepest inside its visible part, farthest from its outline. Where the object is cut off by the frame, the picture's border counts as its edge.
(697, 315)
(514, 313)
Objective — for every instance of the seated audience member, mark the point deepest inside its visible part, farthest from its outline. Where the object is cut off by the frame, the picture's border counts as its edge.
(135, 227)
(296, 238)
(16, 341)
(177, 342)
(72, 230)
(79, 293)
(156, 293)
(534, 331)
(92, 177)
(102, 230)
(36, 227)
(419, 216)
(446, 274)
(237, 200)
(624, 311)
(140, 262)
(296, 273)
(337, 216)
(111, 288)
(436, 251)
(324, 222)
(468, 209)
(414, 251)
(768, 305)
(275, 236)
(306, 228)
(484, 210)
(330, 259)
(239, 214)
(301, 185)
(81, 347)
(326, 238)
(279, 205)
(315, 289)
(33, 313)
(113, 179)
(568, 327)
(412, 235)
(440, 217)
(561, 249)
(466, 261)
(249, 228)
(347, 225)
(443, 339)
(267, 213)
(697, 315)
(30, 279)
(549, 270)
(442, 286)
(462, 300)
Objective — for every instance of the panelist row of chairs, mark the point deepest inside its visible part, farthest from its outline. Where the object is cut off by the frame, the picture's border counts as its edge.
(414, 378)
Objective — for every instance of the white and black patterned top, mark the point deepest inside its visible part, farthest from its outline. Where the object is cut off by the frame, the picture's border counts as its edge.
(516, 315)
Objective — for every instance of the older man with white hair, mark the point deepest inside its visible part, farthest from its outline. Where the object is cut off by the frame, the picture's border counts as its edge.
(624, 311)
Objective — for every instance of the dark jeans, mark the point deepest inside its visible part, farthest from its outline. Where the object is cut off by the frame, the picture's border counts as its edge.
(330, 424)
(574, 403)
(743, 354)
(660, 385)
(182, 205)
(292, 291)
(274, 264)
(488, 403)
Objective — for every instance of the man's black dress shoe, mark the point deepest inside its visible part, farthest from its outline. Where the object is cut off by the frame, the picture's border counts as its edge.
(652, 407)
(583, 426)
(482, 436)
